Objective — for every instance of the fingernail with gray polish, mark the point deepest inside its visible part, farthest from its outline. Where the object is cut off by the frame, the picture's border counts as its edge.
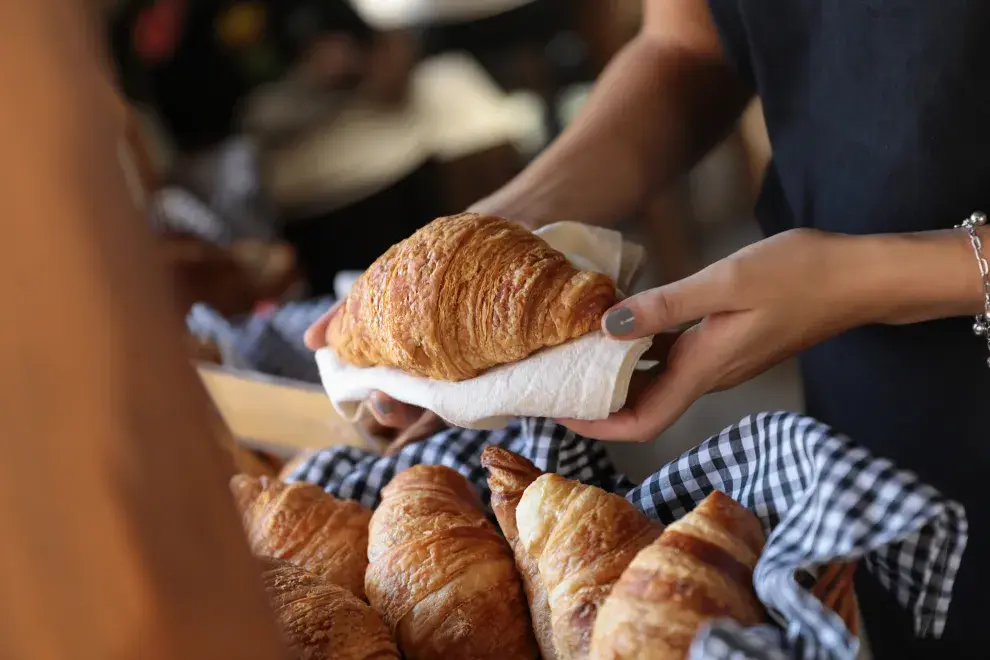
(383, 407)
(620, 321)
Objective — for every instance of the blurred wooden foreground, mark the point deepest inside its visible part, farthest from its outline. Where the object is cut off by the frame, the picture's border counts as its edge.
(120, 539)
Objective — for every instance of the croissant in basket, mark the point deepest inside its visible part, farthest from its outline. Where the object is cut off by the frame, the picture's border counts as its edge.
(701, 568)
(581, 539)
(441, 575)
(462, 295)
(306, 526)
(508, 477)
(321, 621)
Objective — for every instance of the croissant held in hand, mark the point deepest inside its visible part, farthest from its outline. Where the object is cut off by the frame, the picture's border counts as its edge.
(321, 621)
(700, 568)
(509, 475)
(464, 294)
(441, 576)
(582, 538)
(306, 526)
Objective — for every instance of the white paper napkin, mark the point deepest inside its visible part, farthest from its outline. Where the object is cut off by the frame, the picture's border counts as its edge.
(587, 378)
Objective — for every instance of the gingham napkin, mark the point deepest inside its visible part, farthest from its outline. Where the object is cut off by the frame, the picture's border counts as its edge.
(820, 497)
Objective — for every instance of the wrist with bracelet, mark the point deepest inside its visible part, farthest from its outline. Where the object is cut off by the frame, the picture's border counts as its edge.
(981, 327)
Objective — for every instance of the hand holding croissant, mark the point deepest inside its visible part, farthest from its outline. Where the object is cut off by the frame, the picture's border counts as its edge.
(462, 295)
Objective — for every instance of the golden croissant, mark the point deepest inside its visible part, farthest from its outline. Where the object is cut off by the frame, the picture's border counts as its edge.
(582, 539)
(701, 568)
(441, 575)
(306, 526)
(464, 294)
(321, 621)
(508, 476)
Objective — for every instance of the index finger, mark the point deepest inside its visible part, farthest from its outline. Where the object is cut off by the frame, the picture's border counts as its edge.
(316, 335)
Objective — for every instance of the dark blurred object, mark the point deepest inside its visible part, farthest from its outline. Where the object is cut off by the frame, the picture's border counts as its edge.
(352, 237)
(196, 60)
(476, 176)
(204, 351)
(232, 280)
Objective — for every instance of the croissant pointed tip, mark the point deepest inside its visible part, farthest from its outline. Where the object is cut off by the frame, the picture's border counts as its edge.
(508, 472)
(492, 455)
(245, 488)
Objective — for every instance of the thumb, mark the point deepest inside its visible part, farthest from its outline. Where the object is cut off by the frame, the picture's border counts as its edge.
(391, 413)
(316, 335)
(667, 307)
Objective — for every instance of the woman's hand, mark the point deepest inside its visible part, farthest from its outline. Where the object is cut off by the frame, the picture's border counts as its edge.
(757, 308)
(407, 423)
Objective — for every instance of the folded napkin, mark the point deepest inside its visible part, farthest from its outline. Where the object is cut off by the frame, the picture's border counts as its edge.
(587, 378)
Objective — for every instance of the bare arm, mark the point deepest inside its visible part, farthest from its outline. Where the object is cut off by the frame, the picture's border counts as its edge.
(120, 539)
(665, 100)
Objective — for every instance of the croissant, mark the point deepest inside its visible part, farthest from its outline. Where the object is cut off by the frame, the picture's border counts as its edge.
(582, 539)
(306, 526)
(321, 621)
(464, 294)
(508, 476)
(440, 574)
(700, 568)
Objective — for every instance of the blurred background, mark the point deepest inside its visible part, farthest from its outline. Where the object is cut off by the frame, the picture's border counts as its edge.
(286, 144)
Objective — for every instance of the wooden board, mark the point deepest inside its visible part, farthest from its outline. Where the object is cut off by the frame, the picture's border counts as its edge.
(278, 416)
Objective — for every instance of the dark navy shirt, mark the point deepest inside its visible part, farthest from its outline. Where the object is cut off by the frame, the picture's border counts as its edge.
(879, 116)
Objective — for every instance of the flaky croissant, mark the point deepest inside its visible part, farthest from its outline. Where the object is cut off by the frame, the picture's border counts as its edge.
(321, 621)
(306, 526)
(582, 538)
(699, 569)
(508, 476)
(441, 576)
(462, 295)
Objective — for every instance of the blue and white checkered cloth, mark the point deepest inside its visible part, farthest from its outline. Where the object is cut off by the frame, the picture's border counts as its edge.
(271, 343)
(821, 498)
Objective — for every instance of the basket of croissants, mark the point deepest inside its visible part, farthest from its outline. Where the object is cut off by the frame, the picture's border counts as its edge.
(566, 571)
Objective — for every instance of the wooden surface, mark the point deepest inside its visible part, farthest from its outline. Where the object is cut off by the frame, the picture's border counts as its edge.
(277, 416)
(120, 537)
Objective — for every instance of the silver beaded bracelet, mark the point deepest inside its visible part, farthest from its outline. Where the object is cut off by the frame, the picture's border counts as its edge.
(981, 328)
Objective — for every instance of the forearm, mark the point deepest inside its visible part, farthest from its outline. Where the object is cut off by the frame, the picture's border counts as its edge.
(909, 278)
(119, 534)
(656, 110)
